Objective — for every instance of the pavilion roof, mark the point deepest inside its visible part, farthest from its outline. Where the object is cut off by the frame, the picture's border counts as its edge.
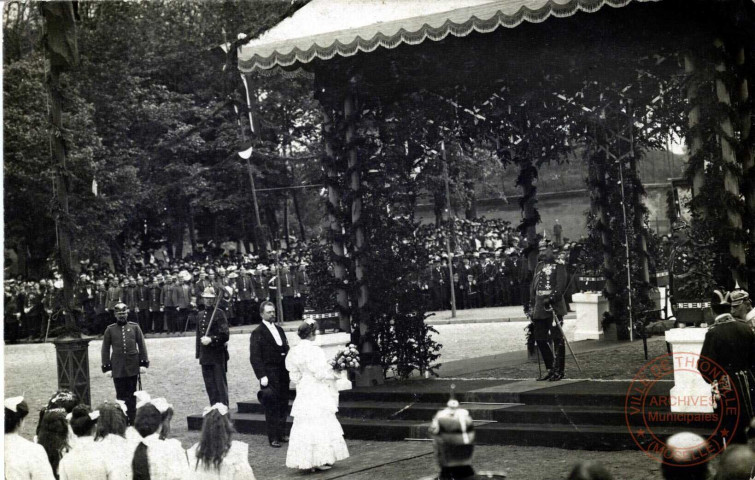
(326, 28)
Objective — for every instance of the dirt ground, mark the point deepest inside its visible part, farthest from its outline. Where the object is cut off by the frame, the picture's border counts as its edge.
(619, 363)
(30, 370)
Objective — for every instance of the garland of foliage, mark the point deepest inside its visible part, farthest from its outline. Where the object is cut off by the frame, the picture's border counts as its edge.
(712, 205)
(395, 317)
(609, 200)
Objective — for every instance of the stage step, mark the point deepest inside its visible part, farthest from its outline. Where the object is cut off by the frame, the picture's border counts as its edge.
(567, 436)
(571, 414)
(504, 413)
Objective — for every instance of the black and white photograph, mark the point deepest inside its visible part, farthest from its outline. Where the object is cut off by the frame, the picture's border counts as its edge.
(378, 239)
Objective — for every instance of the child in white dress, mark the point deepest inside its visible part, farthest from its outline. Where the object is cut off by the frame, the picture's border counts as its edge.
(216, 456)
(156, 459)
(110, 442)
(23, 459)
(316, 440)
(82, 462)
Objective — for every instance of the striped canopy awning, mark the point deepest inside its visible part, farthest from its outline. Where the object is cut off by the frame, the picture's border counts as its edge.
(326, 28)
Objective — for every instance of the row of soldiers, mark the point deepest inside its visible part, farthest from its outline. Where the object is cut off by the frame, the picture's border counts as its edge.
(486, 278)
(161, 302)
(480, 279)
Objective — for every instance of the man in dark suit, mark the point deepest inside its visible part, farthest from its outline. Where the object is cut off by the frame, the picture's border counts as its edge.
(128, 358)
(268, 348)
(211, 348)
(547, 308)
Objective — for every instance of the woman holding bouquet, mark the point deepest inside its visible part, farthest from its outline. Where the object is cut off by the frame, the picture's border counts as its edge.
(316, 440)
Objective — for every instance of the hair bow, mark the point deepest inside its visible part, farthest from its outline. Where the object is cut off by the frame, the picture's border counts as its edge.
(310, 321)
(220, 407)
(94, 415)
(12, 403)
(143, 398)
(161, 404)
(123, 406)
(69, 417)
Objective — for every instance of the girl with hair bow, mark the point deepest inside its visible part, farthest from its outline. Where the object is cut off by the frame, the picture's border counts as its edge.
(110, 443)
(217, 456)
(23, 459)
(154, 458)
(82, 462)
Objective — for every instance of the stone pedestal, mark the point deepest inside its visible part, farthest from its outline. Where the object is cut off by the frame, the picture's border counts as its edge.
(690, 393)
(369, 376)
(590, 308)
(73, 366)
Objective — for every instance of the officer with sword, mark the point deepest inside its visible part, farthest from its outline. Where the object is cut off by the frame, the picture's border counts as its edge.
(547, 311)
(211, 345)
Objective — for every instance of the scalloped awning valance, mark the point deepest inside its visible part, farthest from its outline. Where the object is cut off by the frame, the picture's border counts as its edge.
(325, 28)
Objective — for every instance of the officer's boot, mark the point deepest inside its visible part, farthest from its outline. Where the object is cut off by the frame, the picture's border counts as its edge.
(558, 361)
(546, 352)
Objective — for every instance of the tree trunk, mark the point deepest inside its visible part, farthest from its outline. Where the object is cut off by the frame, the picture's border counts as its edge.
(439, 205)
(272, 224)
(295, 197)
(116, 254)
(471, 211)
(192, 232)
(286, 231)
(178, 240)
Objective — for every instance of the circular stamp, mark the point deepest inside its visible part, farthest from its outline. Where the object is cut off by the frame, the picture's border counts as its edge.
(656, 408)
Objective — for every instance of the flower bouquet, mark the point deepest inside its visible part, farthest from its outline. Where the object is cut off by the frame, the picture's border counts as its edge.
(346, 359)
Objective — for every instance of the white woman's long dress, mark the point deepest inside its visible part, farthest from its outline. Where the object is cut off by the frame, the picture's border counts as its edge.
(316, 436)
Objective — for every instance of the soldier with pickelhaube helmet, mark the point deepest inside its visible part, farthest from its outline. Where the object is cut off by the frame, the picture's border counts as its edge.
(453, 434)
(124, 356)
(741, 306)
(211, 346)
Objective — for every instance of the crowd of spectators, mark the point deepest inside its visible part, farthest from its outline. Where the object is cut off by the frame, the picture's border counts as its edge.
(163, 295)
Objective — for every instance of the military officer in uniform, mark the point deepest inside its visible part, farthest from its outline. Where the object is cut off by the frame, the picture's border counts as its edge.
(547, 308)
(731, 345)
(127, 359)
(741, 304)
(211, 347)
(247, 295)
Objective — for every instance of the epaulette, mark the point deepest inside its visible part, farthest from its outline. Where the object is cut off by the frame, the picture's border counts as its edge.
(132, 323)
(114, 323)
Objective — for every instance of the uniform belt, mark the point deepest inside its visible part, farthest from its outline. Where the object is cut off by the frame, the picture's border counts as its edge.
(544, 292)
